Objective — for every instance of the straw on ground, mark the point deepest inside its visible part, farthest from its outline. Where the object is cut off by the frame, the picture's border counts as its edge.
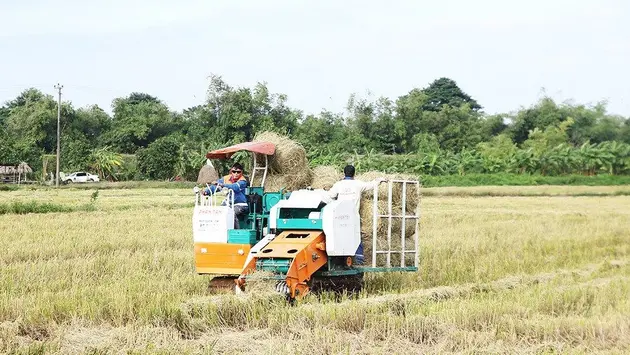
(497, 274)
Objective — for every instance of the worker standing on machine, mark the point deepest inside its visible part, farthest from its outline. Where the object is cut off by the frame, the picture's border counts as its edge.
(351, 189)
(236, 182)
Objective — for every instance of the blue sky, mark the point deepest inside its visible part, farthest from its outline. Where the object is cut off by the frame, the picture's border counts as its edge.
(319, 52)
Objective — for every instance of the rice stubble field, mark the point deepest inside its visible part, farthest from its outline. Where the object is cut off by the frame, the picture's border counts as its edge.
(501, 270)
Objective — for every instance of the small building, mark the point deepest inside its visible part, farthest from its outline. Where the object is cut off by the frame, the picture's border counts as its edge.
(14, 174)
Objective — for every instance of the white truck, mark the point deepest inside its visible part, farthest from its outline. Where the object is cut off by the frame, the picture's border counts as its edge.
(79, 176)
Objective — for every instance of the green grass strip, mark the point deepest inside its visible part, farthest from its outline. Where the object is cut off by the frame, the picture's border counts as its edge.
(18, 207)
(522, 180)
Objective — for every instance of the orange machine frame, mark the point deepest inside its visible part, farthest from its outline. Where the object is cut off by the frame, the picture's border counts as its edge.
(308, 256)
(220, 258)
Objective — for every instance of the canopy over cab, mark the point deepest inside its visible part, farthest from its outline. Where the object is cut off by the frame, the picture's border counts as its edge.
(263, 148)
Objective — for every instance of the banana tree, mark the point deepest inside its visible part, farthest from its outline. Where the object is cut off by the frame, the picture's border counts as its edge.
(615, 156)
(189, 162)
(591, 158)
(558, 160)
(467, 160)
(105, 162)
(523, 161)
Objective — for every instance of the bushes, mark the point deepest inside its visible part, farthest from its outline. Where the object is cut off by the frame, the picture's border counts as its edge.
(169, 157)
(158, 160)
(589, 159)
(129, 168)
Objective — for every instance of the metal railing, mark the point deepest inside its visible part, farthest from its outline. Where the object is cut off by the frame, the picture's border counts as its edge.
(389, 216)
(210, 200)
(263, 168)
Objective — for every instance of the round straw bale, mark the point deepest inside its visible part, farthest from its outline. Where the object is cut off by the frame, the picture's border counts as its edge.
(301, 179)
(207, 174)
(290, 156)
(325, 176)
(289, 182)
(275, 183)
(412, 190)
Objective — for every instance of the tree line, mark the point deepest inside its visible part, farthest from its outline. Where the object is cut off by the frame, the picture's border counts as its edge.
(435, 130)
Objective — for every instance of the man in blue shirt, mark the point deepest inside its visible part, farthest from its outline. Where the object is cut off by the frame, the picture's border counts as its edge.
(237, 183)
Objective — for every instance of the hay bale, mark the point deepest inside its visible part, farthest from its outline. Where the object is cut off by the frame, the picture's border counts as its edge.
(301, 180)
(412, 193)
(290, 156)
(288, 167)
(207, 174)
(289, 182)
(274, 183)
(325, 176)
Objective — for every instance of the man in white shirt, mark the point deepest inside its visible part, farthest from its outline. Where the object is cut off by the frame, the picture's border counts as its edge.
(351, 189)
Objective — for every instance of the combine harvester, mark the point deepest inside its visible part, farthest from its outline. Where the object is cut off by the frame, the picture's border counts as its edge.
(305, 240)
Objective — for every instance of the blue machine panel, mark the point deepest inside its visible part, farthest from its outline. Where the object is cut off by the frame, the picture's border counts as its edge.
(242, 236)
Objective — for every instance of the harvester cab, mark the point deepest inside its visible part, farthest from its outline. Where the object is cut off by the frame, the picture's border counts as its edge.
(220, 247)
(302, 240)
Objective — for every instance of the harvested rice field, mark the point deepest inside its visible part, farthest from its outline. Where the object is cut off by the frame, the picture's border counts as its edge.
(502, 269)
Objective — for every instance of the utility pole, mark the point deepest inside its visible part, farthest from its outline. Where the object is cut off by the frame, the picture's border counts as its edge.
(58, 87)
